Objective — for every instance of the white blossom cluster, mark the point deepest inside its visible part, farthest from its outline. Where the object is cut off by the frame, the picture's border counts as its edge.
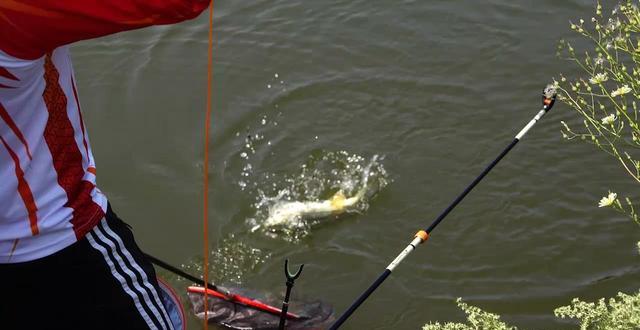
(620, 313)
(477, 318)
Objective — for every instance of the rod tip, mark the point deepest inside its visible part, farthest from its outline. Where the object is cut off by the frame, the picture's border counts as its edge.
(550, 91)
(549, 94)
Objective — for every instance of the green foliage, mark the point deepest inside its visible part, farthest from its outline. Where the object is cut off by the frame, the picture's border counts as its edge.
(605, 95)
(622, 313)
(477, 318)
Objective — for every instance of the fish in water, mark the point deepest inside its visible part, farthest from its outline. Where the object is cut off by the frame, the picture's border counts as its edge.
(287, 213)
(284, 213)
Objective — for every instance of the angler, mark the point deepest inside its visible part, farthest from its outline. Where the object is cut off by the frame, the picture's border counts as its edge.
(55, 223)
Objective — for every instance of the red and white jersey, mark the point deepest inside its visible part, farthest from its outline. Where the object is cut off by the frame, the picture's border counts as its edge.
(48, 193)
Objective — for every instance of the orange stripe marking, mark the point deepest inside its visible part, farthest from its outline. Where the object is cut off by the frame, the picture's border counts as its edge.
(25, 191)
(14, 128)
(59, 135)
(84, 136)
(5, 73)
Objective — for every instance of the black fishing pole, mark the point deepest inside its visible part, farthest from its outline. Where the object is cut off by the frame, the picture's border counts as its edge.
(548, 99)
(180, 272)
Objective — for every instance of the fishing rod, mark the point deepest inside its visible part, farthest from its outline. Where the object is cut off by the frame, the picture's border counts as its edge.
(548, 99)
(218, 292)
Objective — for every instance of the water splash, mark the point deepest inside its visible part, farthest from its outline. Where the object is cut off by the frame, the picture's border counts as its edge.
(339, 177)
(229, 262)
(252, 143)
(302, 199)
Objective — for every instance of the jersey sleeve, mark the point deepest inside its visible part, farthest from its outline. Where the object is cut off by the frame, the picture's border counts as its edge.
(31, 28)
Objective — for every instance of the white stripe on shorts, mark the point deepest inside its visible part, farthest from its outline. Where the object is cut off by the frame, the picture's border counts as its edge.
(120, 278)
(154, 302)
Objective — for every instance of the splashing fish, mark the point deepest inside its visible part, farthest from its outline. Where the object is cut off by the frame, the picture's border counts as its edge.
(294, 211)
(287, 213)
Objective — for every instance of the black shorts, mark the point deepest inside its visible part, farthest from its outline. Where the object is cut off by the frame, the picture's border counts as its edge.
(102, 281)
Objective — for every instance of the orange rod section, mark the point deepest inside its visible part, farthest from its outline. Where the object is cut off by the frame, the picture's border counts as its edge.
(423, 235)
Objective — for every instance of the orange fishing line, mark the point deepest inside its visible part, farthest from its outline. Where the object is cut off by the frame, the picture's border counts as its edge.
(205, 212)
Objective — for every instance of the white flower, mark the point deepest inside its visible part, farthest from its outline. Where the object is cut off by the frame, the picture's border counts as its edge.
(599, 78)
(599, 60)
(608, 120)
(621, 91)
(608, 200)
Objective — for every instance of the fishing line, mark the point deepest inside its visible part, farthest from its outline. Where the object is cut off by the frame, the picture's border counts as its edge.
(548, 99)
(205, 170)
